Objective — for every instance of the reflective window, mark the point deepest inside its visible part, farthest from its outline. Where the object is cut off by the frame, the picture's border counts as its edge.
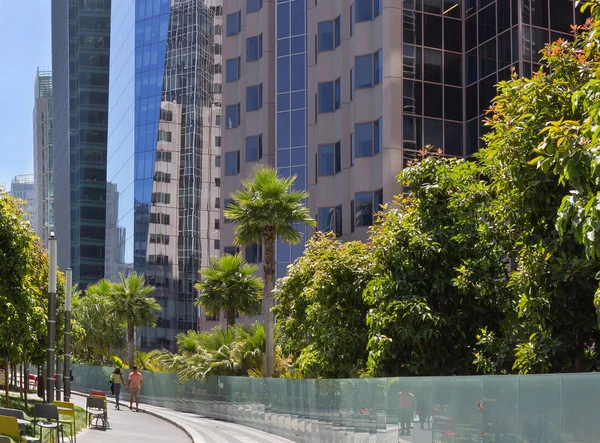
(366, 204)
(367, 9)
(487, 58)
(434, 133)
(412, 102)
(471, 32)
(329, 94)
(254, 148)
(253, 5)
(330, 159)
(234, 23)
(452, 35)
(233, 69)
(433, 65)
(411, 63)
(432, 100)
(254, 48)
(453, 139)
(411, 130)
(433, 31)
(368, 70)
(453, 69)
(452, 8)
(412, 27)
(433, 6)
(453, 103)
(232, 116)
(232, 163)
(254, 253)
(254, 98)
(351, 19)
(486, 20)
(218, 161)
(368, 138)
(330, 219)
(329, 35)
(561, 16)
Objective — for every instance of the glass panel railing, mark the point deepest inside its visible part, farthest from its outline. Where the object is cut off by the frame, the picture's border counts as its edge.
(486, 409)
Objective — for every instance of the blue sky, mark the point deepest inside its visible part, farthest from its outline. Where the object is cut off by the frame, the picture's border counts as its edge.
(25, 44)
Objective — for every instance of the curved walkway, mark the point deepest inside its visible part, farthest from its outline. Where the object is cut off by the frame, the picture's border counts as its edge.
(130, 426)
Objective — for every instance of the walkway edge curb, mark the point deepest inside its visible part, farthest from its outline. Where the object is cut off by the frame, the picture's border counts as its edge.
(189, 432)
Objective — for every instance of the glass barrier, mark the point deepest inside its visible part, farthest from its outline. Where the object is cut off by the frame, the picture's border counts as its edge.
(488, 409)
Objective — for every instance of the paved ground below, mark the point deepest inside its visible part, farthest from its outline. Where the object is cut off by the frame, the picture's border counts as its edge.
(131, 426)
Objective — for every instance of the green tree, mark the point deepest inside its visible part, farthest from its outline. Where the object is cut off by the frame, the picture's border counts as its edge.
(321, 313)
(265, 209)
(229, 286)
(439, 273)
(101, 331)
(130, 304)
(540, 159)
(237, 350)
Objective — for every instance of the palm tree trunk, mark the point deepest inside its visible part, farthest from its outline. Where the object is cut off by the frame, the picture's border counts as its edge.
(131, 342)
(269, 279)
(230, 317)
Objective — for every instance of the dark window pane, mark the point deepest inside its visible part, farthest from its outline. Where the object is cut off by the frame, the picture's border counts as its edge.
(539, 12)
(434, 133)
(253, 148)
(364, 209)
(364, 10)
(253, 5)
(487, 23)
(412, 27)
(232, 166)
(503, 17)
(452, 8)
(411, 130)
(364, 71)
(325, 38)
(412, 97)
(326, 97)
(338, 157)
(472, 137)
(433, 6)
(487, 92)
(337, 32)
(283, 26)
(472, 102)
(527, 43)
(487, 58)
(471, 32)
(232, 116)
(539, 38)
(433, 31)
(412, 4)
(432, 98)
(472, 67)
(233, 23)
(452, 35)
(252, 98)
(326, 160)
(363, 135)
(504, 47)
(325, 218)
(452, 69)
(377, 136)
(561, 16)
(412, 62)
(453, 139)
(453, 103)
(433, 65)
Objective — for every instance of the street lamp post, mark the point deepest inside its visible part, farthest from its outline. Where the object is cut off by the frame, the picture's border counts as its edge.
(67, 363)
(51, 318)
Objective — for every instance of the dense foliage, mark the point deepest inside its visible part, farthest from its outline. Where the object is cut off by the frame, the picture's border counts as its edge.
(488, 266)
(320, 308)
(236, 350)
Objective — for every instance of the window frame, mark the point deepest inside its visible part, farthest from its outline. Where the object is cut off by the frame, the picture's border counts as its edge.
(337, 216)
(376, 69)
(235, 155)
(238, 16)
(336, 34)
(237, 116)
(336, 95)
(376, 138)
(259, 44)
(259, 147)
(259, 98)
(237, 72)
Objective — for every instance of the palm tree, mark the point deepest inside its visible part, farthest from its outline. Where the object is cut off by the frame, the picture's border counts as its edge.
(266, 208)
(229, 285)
(130, 304)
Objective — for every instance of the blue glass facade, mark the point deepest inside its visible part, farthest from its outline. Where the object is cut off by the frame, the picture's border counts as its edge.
(291, 155)
(160, 102)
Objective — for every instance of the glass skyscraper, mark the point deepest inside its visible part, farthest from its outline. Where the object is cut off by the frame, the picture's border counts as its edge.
(80, 56)
(163, 152)
(43, 156)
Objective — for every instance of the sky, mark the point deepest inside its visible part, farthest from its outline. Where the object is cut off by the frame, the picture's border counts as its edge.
(25, 44)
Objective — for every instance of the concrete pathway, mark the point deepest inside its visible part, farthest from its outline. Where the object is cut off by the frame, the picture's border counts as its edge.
(130, 426)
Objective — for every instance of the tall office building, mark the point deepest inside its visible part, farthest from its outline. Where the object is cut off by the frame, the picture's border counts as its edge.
(22, 187)
(163, 152)
(43, 155)
(80, 56)
(343, 93)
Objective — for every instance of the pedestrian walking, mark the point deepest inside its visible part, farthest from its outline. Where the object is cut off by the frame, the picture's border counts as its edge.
(134, 386)
(116, 379)
(407, 415)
